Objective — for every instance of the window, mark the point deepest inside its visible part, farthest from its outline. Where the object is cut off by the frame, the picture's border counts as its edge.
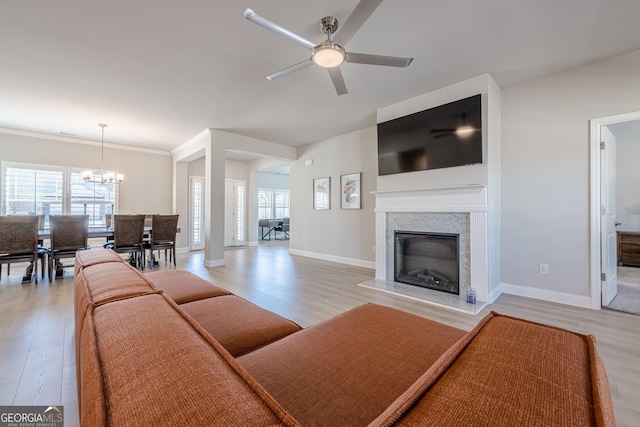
(50, 190)
(273, 203)
(92, 198)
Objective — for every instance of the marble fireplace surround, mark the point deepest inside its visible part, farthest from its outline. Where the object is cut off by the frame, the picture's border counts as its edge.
(461, 210)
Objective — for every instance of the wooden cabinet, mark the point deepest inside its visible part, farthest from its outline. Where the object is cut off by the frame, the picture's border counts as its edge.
(629, 248)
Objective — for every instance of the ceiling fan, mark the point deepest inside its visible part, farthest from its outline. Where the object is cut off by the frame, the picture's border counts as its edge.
(330, 54)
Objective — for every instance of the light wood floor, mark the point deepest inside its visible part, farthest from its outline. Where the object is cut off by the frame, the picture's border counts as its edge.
(37, 365)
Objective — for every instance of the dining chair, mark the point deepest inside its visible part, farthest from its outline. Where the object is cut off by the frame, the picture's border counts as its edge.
(128, 233)
(42, 251)
(163, 236)
(19, 242)
(69, 233)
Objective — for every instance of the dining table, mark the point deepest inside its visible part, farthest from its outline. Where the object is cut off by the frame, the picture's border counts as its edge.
(94, 232)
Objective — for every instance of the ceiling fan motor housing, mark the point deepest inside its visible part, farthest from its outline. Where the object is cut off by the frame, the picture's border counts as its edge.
(329, 25)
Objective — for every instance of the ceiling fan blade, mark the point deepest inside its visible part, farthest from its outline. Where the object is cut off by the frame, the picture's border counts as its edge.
(360, 14)
(272, 26)
(389, 61)
(338, 80)
(289, 70)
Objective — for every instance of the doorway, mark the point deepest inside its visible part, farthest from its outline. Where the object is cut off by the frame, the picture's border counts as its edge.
(615, 212)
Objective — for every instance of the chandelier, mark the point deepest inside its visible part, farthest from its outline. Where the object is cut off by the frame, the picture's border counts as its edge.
(105, 176)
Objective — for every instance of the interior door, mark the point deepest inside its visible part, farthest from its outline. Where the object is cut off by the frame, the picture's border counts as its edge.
(196, 214)
(608, 240)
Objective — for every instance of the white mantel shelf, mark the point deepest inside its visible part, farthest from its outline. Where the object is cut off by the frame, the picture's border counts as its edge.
(471, 188)
(467, 198)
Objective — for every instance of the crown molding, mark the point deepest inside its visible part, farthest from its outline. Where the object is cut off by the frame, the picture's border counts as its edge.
(81, 141)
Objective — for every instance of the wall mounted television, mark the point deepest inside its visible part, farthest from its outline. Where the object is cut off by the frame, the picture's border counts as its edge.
(441, 137)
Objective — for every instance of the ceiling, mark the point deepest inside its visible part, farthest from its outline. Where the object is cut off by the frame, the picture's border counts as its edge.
(159, 72)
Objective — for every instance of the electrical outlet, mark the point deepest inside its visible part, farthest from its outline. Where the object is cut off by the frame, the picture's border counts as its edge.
(178, 230)
(296, 239)
(544, 268)
(373, 249)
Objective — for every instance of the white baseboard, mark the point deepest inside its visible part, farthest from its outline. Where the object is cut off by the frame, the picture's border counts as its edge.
(214, 262)
(494, 294)
(182, 250)
(334, 258)
(546, 295)
(253, 243)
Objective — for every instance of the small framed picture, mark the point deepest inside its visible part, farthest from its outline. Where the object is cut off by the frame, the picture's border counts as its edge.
(322, 193)
(350, 191)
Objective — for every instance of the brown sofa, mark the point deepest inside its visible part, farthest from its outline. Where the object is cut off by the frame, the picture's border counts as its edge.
(168, 348)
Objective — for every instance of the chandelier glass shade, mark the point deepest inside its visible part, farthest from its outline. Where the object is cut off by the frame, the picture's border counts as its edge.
(105, 176)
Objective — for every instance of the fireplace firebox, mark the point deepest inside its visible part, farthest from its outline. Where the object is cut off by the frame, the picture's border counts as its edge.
(428, 260)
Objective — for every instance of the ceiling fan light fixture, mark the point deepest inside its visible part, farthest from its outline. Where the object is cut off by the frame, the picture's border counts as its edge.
(329, 54)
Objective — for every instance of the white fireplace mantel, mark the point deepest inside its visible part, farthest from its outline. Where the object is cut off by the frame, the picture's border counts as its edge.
(471, 199)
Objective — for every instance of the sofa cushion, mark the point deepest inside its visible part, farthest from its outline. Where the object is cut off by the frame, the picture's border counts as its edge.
(164, 372)
(510, 372)
(111, 281)
(94, 256)
(239, 325)
(347, 370)
(183, 286)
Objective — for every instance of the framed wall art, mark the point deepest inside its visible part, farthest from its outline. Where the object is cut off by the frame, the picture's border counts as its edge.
(350, 191)
(322, 193)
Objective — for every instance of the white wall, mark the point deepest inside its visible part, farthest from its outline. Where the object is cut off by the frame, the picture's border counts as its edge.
(196, 167)
(234, 169)
(340, 235)
(148, 175)
(628, 176)
(273, 180)
(545, 174)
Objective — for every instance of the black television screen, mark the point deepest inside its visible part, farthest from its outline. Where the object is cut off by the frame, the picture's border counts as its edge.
(441, 137)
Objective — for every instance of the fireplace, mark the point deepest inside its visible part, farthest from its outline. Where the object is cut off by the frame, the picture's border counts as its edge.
(461, 211)
(429, 260)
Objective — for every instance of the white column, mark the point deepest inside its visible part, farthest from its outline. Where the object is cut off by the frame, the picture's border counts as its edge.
(214, 203)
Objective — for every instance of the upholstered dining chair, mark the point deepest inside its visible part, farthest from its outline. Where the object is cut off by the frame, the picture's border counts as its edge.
(19, 242)
(69, 233)
(128, 233)
(163, 236)
(42, 251)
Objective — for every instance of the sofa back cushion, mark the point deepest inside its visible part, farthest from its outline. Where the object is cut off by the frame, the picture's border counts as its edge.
(94, 256)
(183, 286)
(510, 371)
(237, 324)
